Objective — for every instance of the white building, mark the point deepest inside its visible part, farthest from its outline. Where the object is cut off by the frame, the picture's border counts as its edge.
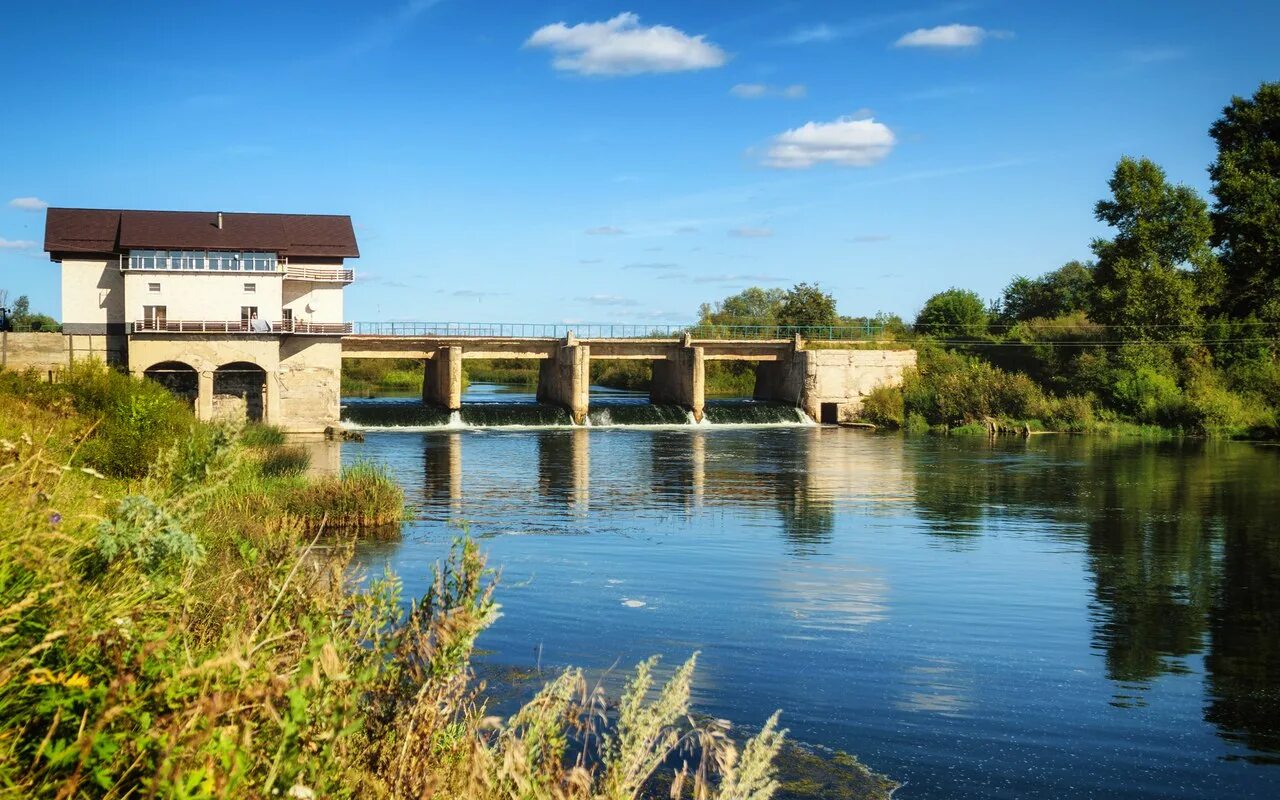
(240, 312)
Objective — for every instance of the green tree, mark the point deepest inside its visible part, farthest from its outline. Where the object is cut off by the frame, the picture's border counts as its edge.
(1066, 290)
(753, 306)
(807, 306)
(1154, 278)
(953, 314)
(21, 317)
(1246, 211)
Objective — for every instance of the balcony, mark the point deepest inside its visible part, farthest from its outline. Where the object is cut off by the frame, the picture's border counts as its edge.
(321, 274)
(247, 327)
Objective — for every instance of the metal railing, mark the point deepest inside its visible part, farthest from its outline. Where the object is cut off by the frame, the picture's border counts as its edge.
(526, 330)
(240, 326)
(319, 274)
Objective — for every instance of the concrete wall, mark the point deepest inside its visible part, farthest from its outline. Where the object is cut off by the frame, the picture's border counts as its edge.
(310, 383)
(202, 295)
(93, 295)
(45, 352)
(844, 377)
(313, 301)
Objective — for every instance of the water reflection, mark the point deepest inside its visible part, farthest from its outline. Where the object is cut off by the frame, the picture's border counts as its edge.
(1087, 596)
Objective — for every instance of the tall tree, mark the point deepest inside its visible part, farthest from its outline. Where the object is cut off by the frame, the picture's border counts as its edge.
(752, 306)
(1066, 290)
(1246, 211)
(1155, 277)
(807, 306)
(955, 313)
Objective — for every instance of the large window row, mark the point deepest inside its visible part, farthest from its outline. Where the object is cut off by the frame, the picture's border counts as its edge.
(211, 260)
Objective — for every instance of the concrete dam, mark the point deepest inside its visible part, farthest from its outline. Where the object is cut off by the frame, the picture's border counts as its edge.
(794, 382)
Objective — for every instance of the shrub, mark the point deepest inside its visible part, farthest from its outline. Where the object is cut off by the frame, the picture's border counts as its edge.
(883, 405)
(1147, 394)
(137, 419)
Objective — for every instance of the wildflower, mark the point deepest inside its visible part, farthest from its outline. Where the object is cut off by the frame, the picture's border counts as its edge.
(55, 518)
(301, 792)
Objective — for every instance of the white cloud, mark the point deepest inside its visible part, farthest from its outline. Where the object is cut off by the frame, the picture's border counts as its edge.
(1154, 55)
(945, 36)
(868, 238)
(605, 230)
(660, 266)
(755, 91)
(751, 233)
(16, 244)
(849, 142)
(29, 203)
(622, 46)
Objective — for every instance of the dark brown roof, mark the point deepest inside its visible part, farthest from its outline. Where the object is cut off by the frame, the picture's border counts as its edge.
(99, 230)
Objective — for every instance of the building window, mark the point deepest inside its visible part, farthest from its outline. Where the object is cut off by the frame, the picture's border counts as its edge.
(212, 260)
(251, 287)
(154, 288)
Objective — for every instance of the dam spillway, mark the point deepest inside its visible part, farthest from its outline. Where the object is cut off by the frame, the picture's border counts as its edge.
(409, 414)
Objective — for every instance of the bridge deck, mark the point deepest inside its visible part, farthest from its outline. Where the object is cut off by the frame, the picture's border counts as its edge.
(426, 347)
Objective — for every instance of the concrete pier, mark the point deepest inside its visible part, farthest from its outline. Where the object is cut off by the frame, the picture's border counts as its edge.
(442, 378)
(564, 378)
(680, 380)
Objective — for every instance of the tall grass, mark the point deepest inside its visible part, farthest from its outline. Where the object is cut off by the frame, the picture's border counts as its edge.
(174, 634)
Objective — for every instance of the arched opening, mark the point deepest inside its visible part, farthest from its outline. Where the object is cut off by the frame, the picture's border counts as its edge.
(178, 377)
(239, 391)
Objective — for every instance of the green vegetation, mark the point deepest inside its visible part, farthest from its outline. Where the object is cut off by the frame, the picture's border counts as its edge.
(19, 317)
(168, 627)
(1175, 327)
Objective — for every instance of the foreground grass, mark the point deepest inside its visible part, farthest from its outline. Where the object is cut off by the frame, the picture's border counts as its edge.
(169, 628)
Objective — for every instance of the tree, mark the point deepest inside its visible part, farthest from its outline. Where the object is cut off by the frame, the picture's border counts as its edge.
(953, 314)
(807, 306)
(1066, 290)
(1246, 211)
(753, 306)
(1155, 277)
(20, 317)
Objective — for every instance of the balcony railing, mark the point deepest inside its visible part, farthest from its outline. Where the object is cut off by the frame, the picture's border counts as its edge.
(319, 274)
(249, 327)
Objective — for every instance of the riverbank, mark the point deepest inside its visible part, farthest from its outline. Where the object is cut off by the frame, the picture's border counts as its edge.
(172, 627)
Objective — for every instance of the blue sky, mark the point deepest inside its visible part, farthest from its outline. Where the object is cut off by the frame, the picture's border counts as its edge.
(621, 162)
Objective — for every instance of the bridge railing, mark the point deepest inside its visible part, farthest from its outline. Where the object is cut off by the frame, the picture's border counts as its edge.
(870, 329)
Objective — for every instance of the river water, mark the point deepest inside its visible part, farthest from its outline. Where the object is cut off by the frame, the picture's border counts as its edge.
(1061, 617)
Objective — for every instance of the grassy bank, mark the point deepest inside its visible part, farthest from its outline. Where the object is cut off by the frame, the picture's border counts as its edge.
(168, 627)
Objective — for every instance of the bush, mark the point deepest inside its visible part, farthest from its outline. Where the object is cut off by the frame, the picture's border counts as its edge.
(257, 434)
(1147, 394)
(137, 419)
(884, 406)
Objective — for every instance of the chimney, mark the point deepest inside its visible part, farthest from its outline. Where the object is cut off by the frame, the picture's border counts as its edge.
(219, 220)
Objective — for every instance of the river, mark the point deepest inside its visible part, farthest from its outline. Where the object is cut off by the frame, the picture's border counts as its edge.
(1061, 617)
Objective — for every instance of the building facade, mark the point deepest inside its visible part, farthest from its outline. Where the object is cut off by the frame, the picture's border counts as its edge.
(241, 313)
